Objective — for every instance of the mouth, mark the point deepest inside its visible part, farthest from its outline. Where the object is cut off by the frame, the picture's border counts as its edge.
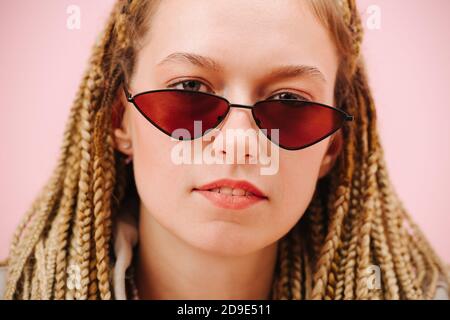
(231, 194)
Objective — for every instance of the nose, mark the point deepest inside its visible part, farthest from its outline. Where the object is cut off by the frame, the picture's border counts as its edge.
(237, 135)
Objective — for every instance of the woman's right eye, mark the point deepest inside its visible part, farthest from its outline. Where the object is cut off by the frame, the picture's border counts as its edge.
(193, 85)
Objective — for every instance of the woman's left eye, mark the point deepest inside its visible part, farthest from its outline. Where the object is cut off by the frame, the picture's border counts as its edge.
(289, 96)
(193, 85)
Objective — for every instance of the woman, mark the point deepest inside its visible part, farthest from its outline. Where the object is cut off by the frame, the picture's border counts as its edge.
(123, 217)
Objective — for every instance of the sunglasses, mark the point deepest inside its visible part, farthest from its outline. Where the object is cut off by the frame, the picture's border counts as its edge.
(300, 123)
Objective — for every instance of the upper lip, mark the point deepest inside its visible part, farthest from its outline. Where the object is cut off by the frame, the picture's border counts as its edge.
(234, 184)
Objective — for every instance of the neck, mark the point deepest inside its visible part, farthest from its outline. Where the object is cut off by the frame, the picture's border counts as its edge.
(169, 268)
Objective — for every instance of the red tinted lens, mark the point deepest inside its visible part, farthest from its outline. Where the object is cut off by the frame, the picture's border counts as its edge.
(177, 109)
(300, 123)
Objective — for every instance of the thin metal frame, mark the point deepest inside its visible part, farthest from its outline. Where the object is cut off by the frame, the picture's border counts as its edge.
(131, 98)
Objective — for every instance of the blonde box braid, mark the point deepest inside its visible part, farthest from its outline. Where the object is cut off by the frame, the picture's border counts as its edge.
(70, 215)
(354, 220)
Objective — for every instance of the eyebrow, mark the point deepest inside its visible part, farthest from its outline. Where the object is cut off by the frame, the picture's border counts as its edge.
(195, 59)
(284, 71)
(292, 71)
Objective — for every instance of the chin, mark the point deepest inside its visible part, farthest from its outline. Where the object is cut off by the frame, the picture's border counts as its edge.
(223, 238)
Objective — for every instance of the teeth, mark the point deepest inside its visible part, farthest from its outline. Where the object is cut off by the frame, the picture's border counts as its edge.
(231, 191)
(226, 190)
(238, 192)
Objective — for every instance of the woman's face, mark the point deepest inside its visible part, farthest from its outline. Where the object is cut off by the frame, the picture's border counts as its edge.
(247, 41)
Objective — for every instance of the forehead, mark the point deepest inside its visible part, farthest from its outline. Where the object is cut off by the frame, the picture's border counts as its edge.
(241, 35)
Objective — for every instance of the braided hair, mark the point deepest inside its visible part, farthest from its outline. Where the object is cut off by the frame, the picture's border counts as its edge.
(355, 219)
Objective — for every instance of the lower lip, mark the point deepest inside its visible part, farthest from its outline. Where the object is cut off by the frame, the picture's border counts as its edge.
(230, 202)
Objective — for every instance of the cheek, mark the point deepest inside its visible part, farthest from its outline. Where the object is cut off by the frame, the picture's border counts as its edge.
(298, 176)
(155, 173)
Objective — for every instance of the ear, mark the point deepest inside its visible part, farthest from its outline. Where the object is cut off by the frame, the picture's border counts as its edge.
(122, 135)
(333, 151)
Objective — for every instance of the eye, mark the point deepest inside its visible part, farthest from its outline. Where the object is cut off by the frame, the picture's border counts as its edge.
(193, 85)
(286, 95)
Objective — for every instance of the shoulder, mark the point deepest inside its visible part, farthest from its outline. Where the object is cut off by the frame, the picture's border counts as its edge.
(3, 271)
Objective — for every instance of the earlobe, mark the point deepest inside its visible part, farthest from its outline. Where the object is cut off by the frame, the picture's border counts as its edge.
(333, 151)
(122, 141)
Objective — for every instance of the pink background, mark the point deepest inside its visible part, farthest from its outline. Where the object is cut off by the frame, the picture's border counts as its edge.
(409, 66)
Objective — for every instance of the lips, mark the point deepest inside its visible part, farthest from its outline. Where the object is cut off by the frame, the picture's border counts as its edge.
(231, 194)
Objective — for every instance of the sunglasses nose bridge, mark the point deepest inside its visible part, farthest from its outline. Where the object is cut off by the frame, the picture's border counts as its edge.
(244, 106)
(239, 132)
(235, 105)
(238, 106)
